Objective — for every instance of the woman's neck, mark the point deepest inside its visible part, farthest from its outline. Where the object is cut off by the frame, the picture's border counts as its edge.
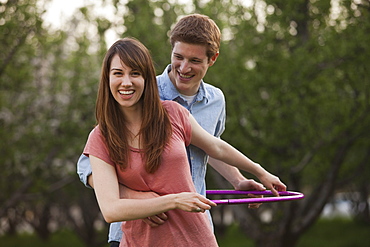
(133, 124)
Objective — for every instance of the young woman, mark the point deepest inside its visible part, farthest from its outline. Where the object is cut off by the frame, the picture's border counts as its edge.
(140, 142)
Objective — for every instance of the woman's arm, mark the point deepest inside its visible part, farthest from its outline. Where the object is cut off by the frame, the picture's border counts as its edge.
(116, 209)
(223, 151)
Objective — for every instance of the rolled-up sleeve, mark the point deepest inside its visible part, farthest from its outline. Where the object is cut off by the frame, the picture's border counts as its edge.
(84, 169)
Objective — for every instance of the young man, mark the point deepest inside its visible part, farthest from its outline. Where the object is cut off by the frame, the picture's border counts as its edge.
(195, 42)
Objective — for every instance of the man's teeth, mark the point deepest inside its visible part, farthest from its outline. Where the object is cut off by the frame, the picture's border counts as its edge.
(126, 92)
(185, 76)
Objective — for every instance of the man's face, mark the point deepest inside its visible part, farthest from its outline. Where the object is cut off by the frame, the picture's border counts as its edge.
(189, 64)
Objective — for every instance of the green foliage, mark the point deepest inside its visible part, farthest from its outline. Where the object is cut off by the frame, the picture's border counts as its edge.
(48, 82)
(150, 22)
(297, 89)
(288, 92)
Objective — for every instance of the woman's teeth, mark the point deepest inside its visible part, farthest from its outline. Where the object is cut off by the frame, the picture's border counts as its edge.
(126, 92)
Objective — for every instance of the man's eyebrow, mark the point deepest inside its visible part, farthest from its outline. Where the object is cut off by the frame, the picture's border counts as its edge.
(191, 58)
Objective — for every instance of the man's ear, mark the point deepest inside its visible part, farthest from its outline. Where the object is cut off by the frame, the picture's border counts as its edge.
(213, 59)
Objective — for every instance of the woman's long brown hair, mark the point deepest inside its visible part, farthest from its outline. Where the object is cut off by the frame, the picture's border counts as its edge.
(155, 130)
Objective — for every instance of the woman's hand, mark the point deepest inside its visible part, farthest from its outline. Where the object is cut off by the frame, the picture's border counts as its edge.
(193, 202)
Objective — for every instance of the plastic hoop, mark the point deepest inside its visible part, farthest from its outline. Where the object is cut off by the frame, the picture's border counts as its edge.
(284, 196)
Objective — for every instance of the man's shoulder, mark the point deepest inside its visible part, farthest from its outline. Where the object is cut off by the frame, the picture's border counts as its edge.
(163, 78)
(211, 87)
(213, 91)
(166, 92)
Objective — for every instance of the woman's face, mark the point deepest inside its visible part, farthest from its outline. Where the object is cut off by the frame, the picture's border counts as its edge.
(126, 84)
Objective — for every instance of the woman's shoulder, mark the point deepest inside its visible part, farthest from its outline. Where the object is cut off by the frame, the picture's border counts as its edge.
(175, 110)
(169, 103)
(172, 106)
(95, 131)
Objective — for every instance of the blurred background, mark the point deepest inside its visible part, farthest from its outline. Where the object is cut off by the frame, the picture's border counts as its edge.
(296, 76)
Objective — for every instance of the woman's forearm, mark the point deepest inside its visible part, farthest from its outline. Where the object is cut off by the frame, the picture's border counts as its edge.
(133, 209)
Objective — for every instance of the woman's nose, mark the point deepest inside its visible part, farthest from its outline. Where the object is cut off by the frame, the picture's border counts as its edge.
(126, 81)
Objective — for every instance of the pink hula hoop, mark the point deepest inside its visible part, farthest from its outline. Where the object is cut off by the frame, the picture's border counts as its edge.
(284, 196)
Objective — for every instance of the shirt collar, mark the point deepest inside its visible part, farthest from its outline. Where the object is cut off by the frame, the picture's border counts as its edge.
(172, 94)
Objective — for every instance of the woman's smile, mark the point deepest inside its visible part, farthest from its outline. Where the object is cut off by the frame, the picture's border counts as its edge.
(126, 84)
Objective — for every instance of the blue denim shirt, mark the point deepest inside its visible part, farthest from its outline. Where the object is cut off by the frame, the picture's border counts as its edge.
(208, 108)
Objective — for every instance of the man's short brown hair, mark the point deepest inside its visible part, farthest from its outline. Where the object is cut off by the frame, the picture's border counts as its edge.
(199, 30)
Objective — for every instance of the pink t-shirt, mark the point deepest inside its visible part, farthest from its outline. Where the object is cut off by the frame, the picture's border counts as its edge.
(173, 176)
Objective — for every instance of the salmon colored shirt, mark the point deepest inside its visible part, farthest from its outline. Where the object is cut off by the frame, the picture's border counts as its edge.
(173, 176)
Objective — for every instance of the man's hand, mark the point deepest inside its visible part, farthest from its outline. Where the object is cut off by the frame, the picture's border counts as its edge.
(156, 220)
(272, 183)
(250, 184)
(153, 221)
(90, 181)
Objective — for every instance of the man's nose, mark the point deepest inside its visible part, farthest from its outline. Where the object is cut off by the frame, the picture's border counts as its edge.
(185, 67)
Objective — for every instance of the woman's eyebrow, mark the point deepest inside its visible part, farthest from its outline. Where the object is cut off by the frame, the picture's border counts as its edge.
(116, 69)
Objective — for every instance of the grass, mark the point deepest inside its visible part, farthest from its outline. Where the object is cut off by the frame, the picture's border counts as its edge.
(338, 233)
(328, 233)
(59, 239)
(325, 233)
(234, 238)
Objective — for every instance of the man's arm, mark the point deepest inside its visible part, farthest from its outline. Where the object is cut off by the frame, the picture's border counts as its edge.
(236, 179)
(234, 176)
(153, 221)
(231, 173)
(84, 171)
(221, 150)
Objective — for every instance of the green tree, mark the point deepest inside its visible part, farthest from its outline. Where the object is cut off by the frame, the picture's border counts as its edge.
(296, 82)
(150, 22)
(48, 82)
